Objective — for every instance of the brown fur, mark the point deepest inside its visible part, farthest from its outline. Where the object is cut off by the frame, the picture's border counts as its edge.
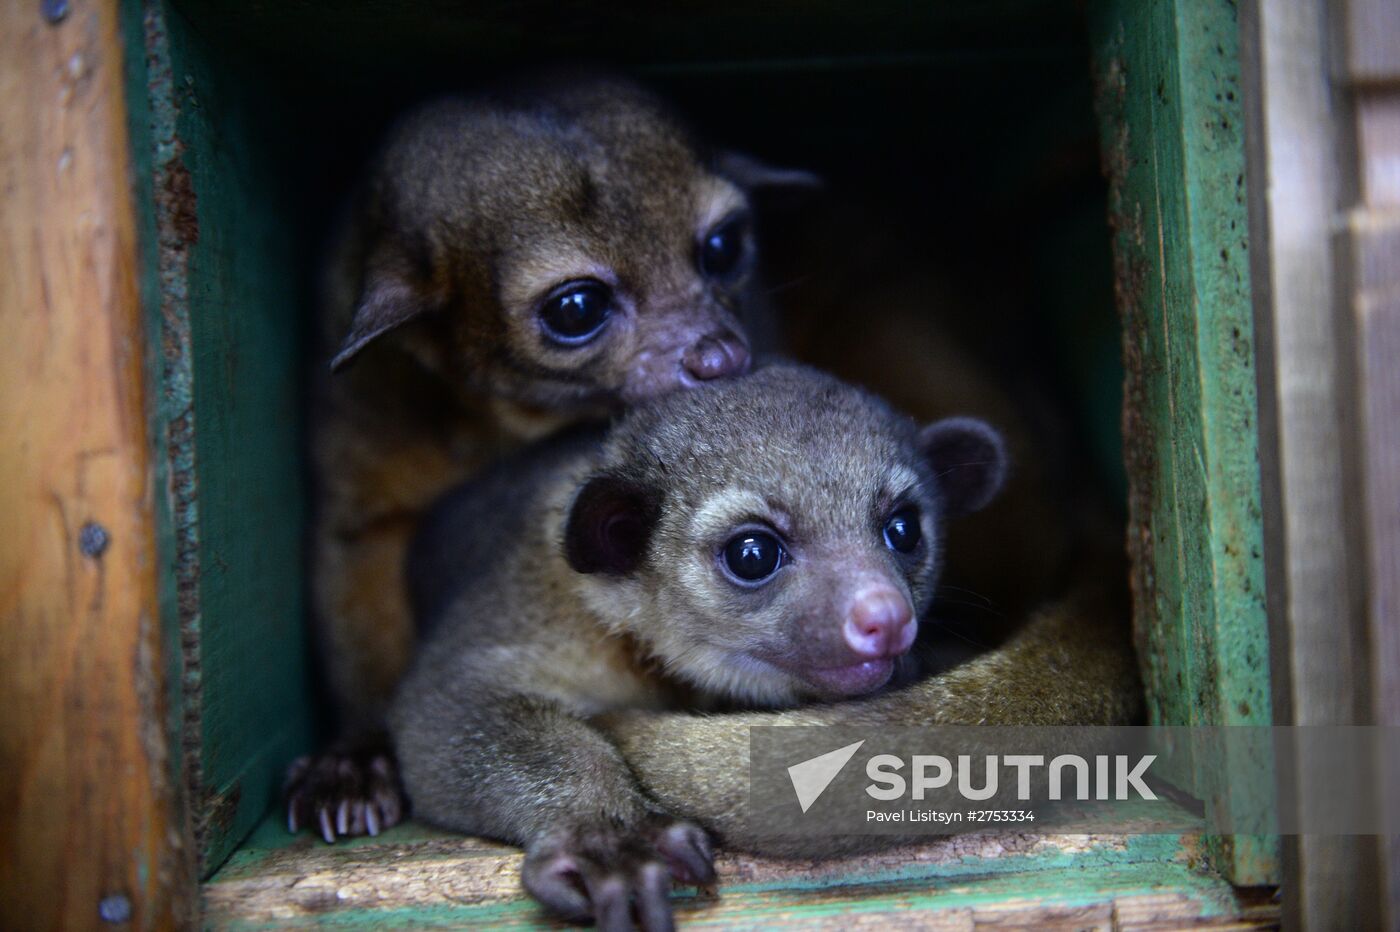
(552, 623)
(476, 209)
(1048, 561)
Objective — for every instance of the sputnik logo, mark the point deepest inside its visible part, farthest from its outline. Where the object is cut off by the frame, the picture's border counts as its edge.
(811, 777)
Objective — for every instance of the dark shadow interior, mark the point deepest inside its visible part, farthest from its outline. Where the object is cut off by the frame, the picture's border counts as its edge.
(957, 141)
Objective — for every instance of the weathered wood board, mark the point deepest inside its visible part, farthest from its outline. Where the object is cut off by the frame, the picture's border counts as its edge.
(414, 878)
(90, 829)
(225, 308)
(1167, 76)
(1322, 87)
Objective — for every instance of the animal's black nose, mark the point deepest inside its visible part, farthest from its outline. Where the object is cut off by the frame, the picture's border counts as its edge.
(716, 356)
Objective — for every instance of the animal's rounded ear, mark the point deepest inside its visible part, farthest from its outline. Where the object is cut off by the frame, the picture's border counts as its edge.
(751, 174)
(391, 297)
(610, 525)
(969, 462)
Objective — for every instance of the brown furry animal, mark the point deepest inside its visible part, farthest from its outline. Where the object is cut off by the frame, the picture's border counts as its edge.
(513, 262)
(760, 541)
(1043, 567)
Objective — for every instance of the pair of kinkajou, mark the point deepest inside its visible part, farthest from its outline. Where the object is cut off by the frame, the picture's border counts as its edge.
(545, 255)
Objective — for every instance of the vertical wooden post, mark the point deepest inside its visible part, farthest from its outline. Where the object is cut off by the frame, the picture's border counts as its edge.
(1171, 129)
(88, 832)
(1370, 292)
(1317, 74)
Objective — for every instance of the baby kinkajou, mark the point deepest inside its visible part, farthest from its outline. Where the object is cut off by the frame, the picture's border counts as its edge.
(760, 541)
(1054, 572)
(512, 262)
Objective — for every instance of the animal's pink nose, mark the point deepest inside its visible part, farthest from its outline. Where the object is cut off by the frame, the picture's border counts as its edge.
(880, 623)
(715, 357)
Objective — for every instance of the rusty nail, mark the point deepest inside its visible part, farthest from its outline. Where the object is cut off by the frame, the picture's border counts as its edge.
(55, 11)
(93, 539)
(114, 908)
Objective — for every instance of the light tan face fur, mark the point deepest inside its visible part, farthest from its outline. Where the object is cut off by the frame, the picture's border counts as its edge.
(482, 212)
(791, 453)
(662, 302)
(758, 644)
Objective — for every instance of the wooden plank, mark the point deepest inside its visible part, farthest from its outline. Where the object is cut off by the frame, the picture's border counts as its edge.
(88, 814)
(228, 283)
(1302, 162)
(1171, 126)
(1370, 252)
(1371, 256)
(1372, 249)
(418, 878)
(1371, 32)
(1378, 144)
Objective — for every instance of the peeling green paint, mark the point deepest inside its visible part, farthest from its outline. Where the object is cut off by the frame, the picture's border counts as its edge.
(854, 900)
(141, 121)
(1083, 873)
(1171, 125)
(223, 316)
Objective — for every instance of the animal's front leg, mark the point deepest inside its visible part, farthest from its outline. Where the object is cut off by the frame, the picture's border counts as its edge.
(351, 787)
(592, 867)
(527, 771)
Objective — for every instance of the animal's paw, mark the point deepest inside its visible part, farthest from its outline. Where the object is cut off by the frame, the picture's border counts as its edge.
(620, 877)
(344, 792)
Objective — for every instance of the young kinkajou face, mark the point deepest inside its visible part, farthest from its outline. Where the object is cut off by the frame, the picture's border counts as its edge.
(777, 539)
(760, 540)
(566, 243)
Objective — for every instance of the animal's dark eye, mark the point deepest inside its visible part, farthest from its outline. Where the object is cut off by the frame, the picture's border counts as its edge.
(725, 249)
(902, 531)
(575, 313)
(753, 556)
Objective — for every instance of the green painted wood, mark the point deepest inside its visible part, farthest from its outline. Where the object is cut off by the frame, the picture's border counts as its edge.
(382, 875)
(271, 847)
(841, 906)
(225, 313)
(1171, 126)
(140, 115)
